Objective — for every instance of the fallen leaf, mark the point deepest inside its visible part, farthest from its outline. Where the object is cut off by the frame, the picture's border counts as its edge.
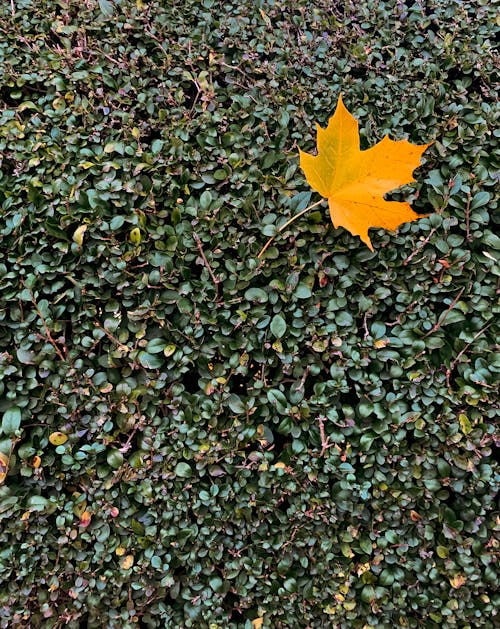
(355, 181)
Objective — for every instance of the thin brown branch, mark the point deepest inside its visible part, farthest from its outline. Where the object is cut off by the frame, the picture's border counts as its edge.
(215, 279)
(422, 245)
(457, 358)
(325, 440)
(48, 334)
(121, 346)
(445, 314)
(467, 218)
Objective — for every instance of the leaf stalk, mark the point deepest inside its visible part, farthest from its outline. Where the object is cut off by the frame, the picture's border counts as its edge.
(285, 225)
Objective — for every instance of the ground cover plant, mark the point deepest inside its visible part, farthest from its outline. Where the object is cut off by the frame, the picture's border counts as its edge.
(192, 436)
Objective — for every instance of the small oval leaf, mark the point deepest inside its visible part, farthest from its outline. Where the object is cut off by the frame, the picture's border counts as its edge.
(11, 421)
(135, 236)
(78, 235)
(278, 326)
(58, 438)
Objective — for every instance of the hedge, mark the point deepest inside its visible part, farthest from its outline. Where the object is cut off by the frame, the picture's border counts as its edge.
(192, 436)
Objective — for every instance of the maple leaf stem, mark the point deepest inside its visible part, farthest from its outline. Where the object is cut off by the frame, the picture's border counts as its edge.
(280, 229)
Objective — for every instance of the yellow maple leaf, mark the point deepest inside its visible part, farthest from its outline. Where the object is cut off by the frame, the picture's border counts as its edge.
(355, 181)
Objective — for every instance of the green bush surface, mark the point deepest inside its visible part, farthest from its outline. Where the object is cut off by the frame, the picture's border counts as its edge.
(304, 440)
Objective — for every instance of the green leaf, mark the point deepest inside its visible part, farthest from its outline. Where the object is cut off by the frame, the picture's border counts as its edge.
(303, 291)
(114, 459)
(25, 356)
(107, 7)
(37, 503)
(156, 146)
(183, 470)
(366, 545)
(479, 199)
(236, 405)
(277, 399)
(278, 326)
(205, 200)
(149, 361)
(155, 346)
(256, 294)
(11, 421)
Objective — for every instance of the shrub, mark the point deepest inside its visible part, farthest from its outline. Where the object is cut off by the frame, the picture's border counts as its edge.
(198, 438)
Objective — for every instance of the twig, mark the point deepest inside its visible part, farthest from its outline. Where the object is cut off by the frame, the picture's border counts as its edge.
(280, 229)
(304, 378)
(121, 346)
(397, 320)
(467, 218)
(215, 279)
(449, 371)
(324, 438)
(424, 242)
(48, 334)
(445, 314)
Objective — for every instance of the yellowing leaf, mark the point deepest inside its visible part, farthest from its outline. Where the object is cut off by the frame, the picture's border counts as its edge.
(58, 438)
(85, 519)
(78, 235)
(135, 236)
(4, 466)
(80, 505)
(355, 181)
(257, 622)
(457, 581)
(127, 562)
(279, 466)
(465, 425)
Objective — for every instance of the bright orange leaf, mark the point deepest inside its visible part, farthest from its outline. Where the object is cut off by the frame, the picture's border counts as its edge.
(355, 181)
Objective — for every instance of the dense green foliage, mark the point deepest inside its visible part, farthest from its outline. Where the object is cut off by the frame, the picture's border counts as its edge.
(306, 438)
